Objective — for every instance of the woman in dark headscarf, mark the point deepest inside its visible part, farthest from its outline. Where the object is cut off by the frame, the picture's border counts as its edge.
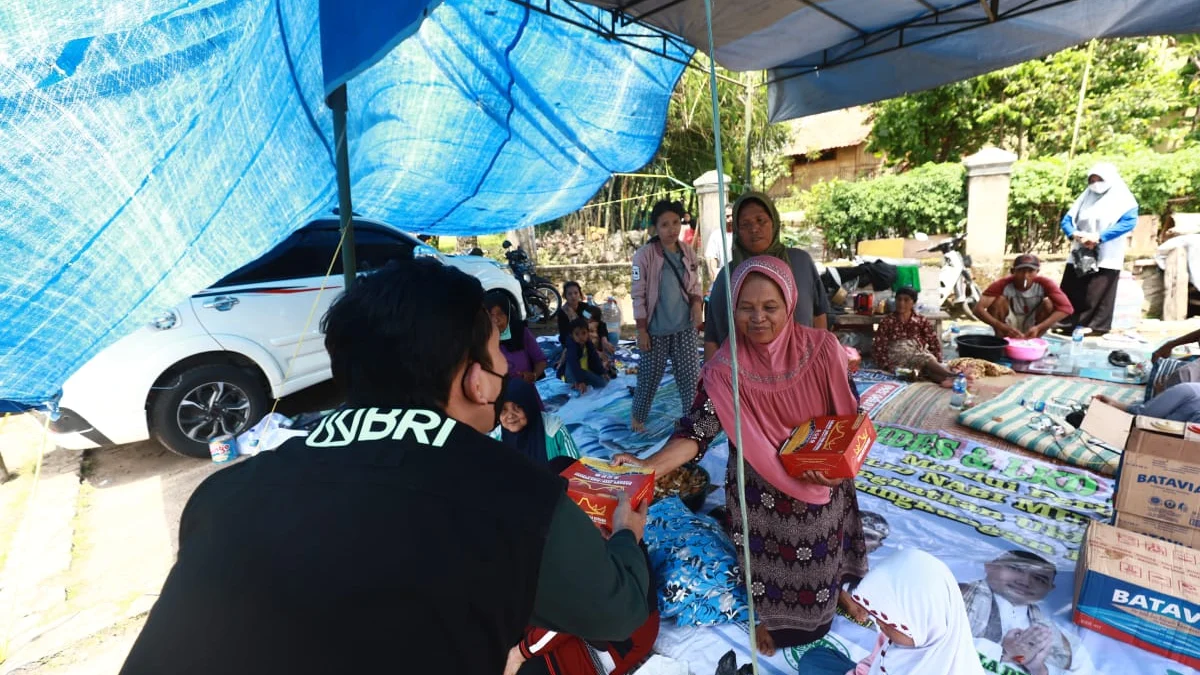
(756, 231)
(526, 360)
(539, 436)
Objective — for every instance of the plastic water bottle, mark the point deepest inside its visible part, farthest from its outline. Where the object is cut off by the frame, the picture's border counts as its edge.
(1076, 345)
(951, 334)
(959, 398)
(611, 314)
(1048, 407)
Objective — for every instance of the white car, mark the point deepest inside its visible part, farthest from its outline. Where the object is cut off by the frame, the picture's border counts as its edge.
(213, 364)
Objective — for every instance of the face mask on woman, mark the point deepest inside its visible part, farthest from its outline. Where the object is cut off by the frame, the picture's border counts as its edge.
(1099, 187)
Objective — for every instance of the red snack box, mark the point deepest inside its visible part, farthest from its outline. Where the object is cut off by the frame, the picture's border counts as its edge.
(835, 446)
(594, 484)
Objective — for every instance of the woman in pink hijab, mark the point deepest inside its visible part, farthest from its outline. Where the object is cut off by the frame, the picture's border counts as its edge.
(806, 539)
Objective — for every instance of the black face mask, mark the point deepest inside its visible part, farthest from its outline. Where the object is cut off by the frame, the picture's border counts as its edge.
(501, 399)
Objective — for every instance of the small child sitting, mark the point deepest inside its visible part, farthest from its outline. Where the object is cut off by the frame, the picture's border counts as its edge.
(603, 348)
(583, 367)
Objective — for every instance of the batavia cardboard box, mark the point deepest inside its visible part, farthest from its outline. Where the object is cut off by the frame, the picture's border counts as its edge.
(594, 485)
(1183, 535)
(835, 446)
(1160, 474)
(1158, 492)
(1140, 590)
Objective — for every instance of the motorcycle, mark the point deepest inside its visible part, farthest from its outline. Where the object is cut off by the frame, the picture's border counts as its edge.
(958, 290)
(541, 297)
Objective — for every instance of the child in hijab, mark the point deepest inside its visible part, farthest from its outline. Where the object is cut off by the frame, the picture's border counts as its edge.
(914, 600)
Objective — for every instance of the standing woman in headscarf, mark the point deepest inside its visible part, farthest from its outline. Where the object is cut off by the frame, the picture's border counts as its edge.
(756, 231)
(1097, 225)
(915, 602)
(806, 536)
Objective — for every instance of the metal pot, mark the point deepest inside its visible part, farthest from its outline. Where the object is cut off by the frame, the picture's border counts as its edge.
(986, 347)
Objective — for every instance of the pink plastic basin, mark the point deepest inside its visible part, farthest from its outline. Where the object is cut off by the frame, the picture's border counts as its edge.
(1026, 350)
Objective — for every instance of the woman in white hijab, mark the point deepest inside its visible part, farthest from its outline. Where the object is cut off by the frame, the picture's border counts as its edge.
(1097, 225)
(914, 600)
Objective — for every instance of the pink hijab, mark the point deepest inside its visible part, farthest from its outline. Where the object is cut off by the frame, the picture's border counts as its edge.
(799, 375)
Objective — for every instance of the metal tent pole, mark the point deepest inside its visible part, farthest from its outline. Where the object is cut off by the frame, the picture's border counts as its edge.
(337, 103)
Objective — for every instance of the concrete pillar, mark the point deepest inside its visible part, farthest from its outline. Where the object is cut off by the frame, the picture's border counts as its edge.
(988, 174)
(712, 217)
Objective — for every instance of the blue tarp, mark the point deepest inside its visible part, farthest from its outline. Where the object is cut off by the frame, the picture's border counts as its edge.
(146, 149)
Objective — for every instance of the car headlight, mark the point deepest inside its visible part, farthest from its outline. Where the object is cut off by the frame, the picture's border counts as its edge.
(165, 321)
(426, 251)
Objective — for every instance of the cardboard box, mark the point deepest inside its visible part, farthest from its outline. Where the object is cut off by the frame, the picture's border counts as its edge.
(594, 485)
(1141, 591)
(1184, 535)
(1160, 474)
(1158, 493)
(835, 446)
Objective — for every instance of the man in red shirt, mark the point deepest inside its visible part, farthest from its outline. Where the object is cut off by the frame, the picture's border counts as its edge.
(1023, 304)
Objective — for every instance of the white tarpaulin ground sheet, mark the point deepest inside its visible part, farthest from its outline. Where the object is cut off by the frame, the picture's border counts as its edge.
(962, 501)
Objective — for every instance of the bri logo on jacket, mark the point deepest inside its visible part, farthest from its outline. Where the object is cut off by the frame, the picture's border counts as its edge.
(372, 424)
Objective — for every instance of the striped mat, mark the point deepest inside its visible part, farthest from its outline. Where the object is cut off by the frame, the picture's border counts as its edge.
(1005, 418)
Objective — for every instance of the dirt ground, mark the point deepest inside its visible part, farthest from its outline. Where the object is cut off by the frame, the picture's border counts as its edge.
(123, 539)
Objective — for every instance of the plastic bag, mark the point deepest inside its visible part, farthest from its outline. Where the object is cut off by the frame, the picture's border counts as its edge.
(268, 434)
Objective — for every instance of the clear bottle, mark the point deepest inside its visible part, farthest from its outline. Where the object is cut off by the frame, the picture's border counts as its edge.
(1076, 350)
(950, 341)
(1047, 407)
(959, 398)
(611, 313)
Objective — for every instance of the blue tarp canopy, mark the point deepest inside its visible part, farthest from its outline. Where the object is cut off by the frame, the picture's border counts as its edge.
(829, 54)
(151, 147)
(147, 149)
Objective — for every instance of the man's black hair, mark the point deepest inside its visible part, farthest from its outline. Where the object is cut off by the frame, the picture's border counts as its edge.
(665, 206)
(397, 337)
(579, 322)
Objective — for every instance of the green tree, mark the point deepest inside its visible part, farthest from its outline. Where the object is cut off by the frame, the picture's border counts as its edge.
(1135, 88)
(687, 149)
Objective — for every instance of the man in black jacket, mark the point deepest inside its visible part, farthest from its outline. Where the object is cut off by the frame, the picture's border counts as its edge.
(396, 537)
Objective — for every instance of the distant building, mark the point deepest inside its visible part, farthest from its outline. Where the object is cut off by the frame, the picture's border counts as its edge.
(827, 146)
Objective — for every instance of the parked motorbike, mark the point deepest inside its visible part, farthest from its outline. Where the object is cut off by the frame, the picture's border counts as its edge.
(958, 290)
(541, 297)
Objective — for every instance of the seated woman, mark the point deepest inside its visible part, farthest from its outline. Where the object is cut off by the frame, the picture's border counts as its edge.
(906, 339)
(1180, 403)
(539, 436)
(526, 360)
(582, 365)
(914, 600)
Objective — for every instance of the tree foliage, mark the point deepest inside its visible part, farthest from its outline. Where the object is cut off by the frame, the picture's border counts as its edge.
(932, 198)
(688, 151)
(929, 199)
(1136, 86)
(688, 147)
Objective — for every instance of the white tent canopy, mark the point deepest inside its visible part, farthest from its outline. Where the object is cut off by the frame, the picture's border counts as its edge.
(829, 54)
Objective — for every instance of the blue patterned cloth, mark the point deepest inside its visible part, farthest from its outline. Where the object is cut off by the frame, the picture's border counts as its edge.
(695, 565)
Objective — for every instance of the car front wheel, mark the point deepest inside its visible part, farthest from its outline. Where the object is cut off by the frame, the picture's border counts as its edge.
(204, 402)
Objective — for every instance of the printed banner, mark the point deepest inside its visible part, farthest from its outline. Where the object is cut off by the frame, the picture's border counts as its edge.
(1008, 526)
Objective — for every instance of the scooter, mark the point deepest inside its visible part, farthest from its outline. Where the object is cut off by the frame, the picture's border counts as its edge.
(958, 290)
(542, 299)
